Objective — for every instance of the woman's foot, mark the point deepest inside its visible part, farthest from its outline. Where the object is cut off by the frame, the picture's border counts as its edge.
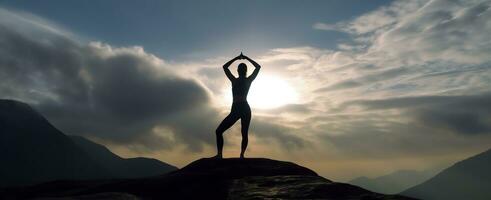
(242, 156)
(218, 156)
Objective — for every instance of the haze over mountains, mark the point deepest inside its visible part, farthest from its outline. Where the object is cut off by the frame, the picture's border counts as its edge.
(34, 151)
(467, 179)
(394, 182)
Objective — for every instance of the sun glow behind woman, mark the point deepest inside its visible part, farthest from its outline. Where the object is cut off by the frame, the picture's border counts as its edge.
(268, 92)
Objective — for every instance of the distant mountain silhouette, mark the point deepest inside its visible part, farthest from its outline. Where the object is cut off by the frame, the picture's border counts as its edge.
(122, 167)
(250, 178)
(467, 179)
(34, 151)
(395, 182)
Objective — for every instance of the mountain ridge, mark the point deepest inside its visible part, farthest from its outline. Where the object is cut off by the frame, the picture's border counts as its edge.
(122, 167)
(28, 139)
(35, 151)
(466, 179)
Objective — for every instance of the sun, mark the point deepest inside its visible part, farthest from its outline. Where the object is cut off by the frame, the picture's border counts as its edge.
(268, 92)
(271, 92)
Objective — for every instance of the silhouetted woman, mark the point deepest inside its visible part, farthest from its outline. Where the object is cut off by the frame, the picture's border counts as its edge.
(240, 107)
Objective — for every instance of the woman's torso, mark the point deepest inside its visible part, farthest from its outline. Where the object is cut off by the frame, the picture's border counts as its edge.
(240, 89)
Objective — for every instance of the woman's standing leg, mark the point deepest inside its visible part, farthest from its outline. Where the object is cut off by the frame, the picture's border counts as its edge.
(245, 122)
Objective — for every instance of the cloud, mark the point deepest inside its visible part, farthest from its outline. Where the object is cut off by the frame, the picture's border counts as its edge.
(414, 78)
(284, 135)
(375, 21)
(414, 32)
(440, 30)
(466, 114)
(290, 108)
(411, 81)
(368, 78)
(117, 94)
(411, 48)
(340, 85)
(411, 126)
(330, 27)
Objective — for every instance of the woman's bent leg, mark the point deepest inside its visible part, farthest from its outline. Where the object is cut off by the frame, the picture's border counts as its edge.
(226, 124)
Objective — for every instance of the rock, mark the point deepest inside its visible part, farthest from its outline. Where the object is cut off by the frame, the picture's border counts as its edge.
(99, 196)
(298, 187)
(232, 168)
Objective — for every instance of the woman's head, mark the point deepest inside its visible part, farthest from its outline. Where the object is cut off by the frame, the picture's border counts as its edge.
(242, 70)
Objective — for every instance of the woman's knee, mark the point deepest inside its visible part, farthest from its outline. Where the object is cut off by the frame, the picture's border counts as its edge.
(218, 131)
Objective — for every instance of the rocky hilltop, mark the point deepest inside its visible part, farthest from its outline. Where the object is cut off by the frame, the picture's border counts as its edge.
(207, 178)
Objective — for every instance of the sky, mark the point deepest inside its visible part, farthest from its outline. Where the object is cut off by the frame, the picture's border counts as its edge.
(347, 88)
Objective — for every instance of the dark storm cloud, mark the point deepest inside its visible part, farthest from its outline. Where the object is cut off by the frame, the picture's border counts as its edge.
(26, 62)
(129, 88)
(466, 114)
(117, 94)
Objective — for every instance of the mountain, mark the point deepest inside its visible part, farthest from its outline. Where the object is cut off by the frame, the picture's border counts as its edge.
(467, 179)
(208, 178)
(121, 167)
(34, 151)
(395, 182)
